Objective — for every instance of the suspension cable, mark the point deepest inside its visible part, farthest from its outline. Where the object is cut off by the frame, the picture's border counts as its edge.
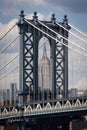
(9, 62)
(71, 32)
(78, 30)
(56, 39)
(5, 48)
(9, 72)
(7, 32)
(63, 37)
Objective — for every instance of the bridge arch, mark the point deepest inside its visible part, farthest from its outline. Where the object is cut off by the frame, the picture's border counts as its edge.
(5, 112)
(67, 104)
(48, 106)
(38, 107)
(28, 108)
(77, 103)
(58, 105)
(14, 111)
(85, 103)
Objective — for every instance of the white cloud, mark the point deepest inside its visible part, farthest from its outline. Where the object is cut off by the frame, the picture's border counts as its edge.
(82, 84)
(4, 28)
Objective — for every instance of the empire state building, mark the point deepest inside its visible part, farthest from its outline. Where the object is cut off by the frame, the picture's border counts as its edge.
(44, 71)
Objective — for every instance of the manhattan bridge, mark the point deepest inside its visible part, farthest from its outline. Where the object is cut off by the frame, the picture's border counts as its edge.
(22, 101)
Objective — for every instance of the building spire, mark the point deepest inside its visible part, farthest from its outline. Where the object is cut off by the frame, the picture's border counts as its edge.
(44, 51)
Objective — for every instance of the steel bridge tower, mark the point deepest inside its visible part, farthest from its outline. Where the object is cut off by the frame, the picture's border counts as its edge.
(40, 109)
(29, 40)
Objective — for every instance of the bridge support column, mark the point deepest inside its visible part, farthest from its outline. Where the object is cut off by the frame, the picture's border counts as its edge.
(21, 126)
(65, 125)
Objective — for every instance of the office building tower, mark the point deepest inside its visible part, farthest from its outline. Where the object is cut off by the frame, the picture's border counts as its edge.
(44, 71)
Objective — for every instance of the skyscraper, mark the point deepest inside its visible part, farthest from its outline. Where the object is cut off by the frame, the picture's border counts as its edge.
(44, 70)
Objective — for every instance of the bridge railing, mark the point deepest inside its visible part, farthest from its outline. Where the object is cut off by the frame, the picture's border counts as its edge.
(48, 108)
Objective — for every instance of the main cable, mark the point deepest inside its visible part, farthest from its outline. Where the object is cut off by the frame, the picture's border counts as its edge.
(63, 37)
(56, 39)
(78, 30)
(71, 32)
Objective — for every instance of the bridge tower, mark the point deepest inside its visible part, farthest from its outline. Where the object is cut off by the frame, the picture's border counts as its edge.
(29, 39)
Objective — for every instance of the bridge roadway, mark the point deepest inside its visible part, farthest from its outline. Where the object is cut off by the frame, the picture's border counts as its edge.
(50, 111)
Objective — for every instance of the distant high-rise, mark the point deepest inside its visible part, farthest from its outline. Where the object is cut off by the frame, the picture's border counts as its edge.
(44, 70)
(13, 92)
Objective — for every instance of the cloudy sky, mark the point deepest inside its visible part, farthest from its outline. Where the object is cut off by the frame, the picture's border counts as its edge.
(76, 11)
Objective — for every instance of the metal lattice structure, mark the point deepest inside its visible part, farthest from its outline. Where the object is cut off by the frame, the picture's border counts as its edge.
(29, 39)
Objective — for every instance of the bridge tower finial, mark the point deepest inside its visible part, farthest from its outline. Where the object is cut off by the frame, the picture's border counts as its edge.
(53, 19)
(65, 22)
(35, 17)
(22, 13)
(21, 20)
